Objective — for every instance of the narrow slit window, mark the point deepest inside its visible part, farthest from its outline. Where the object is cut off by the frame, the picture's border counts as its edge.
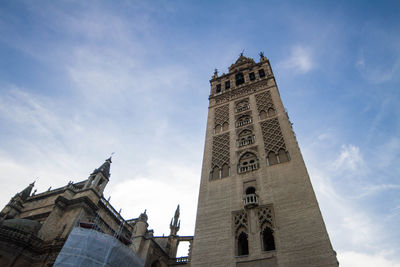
(252, 76)
(218, 90)
(227, 85)
(261, 73)
(239, 78)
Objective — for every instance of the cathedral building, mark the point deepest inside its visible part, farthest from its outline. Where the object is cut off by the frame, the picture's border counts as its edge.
(35, 227)
(256, 204)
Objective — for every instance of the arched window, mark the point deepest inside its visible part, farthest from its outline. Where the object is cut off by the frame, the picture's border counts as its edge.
(225, 171)
(218, 128)
(242, 105)
(268, 239)
(248, 162)
(271, 112)
(215, 173)
(283, 156)
(246, 137)
(271, 158)
(225, 126)
(263, 115)
(242, 244)
(244, 120)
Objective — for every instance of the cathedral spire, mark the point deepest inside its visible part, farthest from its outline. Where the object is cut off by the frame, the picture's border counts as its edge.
(175, 222)
(104, 168)
(27, 191)
(99, 178)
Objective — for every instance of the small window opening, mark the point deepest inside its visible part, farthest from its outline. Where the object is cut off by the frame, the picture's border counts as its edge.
(218, 90)
(243, 244)
(252, 76)
(268, 239)
(227, 85)
(261, 73)
(250, 190)
(239, 78)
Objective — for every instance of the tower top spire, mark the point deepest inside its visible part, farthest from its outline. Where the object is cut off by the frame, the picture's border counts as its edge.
(175, 222)
(104, 168)
(27, 191)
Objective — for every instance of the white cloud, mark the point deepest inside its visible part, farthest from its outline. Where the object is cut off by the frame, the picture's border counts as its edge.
(300, 60)
(357, 259)
(350, 158)
(159, 186)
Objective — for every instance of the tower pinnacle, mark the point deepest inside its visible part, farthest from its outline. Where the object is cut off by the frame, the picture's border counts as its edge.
(175, 222)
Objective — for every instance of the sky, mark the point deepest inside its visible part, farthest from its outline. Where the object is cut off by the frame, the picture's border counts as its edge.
(80, 80)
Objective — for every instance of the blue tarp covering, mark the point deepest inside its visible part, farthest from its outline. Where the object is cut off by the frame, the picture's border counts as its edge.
(85, 247)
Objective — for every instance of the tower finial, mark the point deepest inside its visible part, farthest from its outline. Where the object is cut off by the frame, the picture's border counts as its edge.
(175, 222)
(215, 73)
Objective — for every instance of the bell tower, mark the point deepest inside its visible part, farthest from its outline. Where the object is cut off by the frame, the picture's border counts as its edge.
(256, 203)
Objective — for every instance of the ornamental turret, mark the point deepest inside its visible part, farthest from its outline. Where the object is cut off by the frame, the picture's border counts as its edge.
(99, 178)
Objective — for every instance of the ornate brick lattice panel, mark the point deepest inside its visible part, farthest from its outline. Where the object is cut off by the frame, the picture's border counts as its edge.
(221, 115)
(220, 150)
(240, 220)
(272, 135)
(264, 101)
(265, 216)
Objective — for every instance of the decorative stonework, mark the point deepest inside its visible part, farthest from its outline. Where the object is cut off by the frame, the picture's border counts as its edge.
(248, 113)
(243, 119)
(241, 91)
(245, 137)
(264, 101)
(265, 216)
(242, 105)
(240, 152)
(272, 135)
(220, 150)
(240, 220)
(221, 115)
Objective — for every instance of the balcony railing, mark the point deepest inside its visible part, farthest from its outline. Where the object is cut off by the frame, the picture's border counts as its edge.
(250, 200)
(247, 141)
(243, 122)
(242, 108)
(249, 168)
(182, 260)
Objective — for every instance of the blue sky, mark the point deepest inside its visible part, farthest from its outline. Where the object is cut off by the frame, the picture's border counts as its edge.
(80, 80)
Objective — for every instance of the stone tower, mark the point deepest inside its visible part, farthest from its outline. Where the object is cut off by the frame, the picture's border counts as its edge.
(256, 203)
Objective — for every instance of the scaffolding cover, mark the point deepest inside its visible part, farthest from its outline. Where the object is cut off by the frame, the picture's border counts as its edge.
(86, 247)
